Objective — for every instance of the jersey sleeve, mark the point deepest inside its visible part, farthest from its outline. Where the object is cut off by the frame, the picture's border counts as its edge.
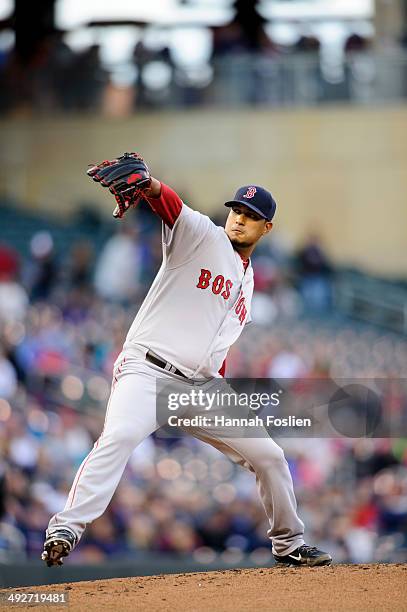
(192, 232)
(184, 230)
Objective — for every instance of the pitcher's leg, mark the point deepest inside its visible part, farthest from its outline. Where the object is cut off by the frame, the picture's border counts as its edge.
(266, 459)
(130, 418)
(276, 490)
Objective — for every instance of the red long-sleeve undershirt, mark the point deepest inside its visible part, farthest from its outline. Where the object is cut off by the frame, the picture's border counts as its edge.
(167, 206)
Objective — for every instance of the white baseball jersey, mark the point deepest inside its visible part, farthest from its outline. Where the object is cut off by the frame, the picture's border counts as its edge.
(199, 301)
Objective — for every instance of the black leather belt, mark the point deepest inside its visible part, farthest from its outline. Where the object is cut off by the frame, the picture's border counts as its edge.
(161, 363)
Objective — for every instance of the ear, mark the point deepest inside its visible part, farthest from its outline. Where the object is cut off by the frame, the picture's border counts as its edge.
(268, 227)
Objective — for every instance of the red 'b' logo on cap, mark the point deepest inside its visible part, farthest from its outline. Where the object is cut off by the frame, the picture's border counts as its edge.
(250, 192)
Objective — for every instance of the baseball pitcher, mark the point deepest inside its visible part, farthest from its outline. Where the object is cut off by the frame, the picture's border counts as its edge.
(196, 308)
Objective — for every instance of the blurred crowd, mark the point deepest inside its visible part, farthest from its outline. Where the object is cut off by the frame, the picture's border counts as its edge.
(238, 70)
(63, 319)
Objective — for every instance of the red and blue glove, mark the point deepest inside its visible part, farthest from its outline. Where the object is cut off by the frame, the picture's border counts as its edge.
(126, 177)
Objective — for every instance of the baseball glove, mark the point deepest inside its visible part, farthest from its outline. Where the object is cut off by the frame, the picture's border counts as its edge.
(126, 177)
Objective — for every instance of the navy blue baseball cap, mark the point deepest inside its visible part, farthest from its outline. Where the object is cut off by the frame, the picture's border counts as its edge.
(258, 199)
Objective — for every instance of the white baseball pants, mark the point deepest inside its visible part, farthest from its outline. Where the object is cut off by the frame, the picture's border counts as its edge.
(131, 417)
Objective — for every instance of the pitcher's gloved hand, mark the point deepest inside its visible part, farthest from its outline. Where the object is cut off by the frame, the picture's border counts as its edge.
(126, 176)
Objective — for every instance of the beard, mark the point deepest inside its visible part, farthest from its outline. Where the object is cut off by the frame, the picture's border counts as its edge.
(239, 244)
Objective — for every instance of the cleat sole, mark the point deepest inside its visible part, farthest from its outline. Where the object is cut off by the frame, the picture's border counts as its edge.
(54, 551)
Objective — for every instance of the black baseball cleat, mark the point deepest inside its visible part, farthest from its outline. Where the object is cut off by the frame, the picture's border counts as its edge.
(304, 555)
(57, 545)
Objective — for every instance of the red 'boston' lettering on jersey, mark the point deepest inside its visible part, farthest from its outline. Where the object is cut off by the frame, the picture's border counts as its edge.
(241, 309)
(228, 287)
(242, 315)
(217, 284)
(203, 282)
(239, 305)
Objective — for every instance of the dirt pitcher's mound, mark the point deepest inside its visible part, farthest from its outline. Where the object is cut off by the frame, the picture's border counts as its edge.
(341, 587)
